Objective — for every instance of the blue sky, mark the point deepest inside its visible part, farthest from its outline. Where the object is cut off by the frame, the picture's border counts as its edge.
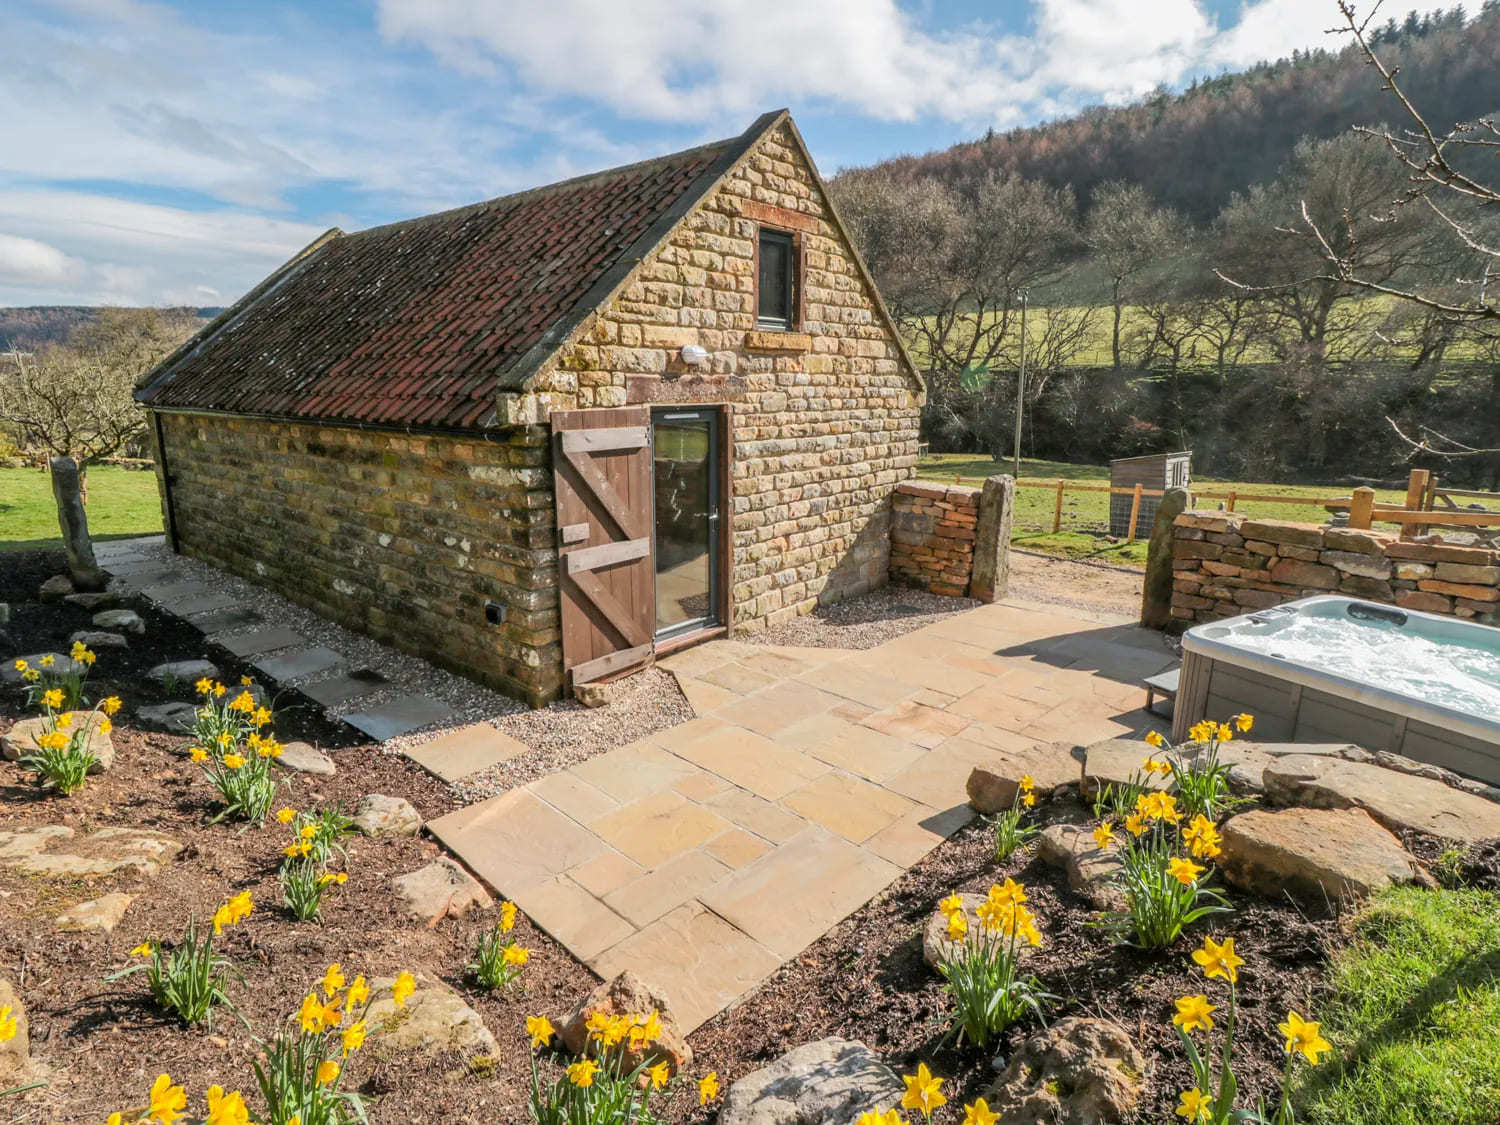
(156, 152)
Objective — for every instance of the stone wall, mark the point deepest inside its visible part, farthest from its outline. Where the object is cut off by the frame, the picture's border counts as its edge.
(824, 418)
(401, 536)
(932, 536)
(1225, 564)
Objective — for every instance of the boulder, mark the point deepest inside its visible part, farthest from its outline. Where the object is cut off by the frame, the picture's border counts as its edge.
(15, 1052)
(628, 995)
(1156, 589)
(95, 601)
(20, 740)
(182, 672)
(1399, 801)
(936, 945)
(1050, 765)
(1118, 761)
(97, 639)
(4, 613)
(1079, 1071)
(1317, 856)
(127, 619)
(594, 694)
(433, 1019)
(56, 588)
(61, 665)
(379, 815)
(303, 758)
(56, 850)
(831, 1082)
(173, 717)
(1090, 870)
(442, 889)
(96, 916)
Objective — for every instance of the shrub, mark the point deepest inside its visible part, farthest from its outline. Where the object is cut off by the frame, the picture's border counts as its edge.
(192, 978)
(1010, 833)
(499, 959)
(982, 966)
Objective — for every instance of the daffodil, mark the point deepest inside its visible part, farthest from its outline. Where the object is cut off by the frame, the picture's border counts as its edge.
(21, 665)
(310, 1017)
(63, 721)
(1202, 731)
(923, 1092)
(198, 754)
(1154, 738)
(328, 1070)
(1027, 783)
(708, 1087)
(1135, 824)
(1225, 732)
(359, 993)
(404, 986)
(659, 1075)
(958, 926)
(1104, 835)
(354, 1036)
(52, 697)
(1185, 871)
(1302, 1036)
(582, 1072)
(219, 690)
(978, 1112)
(204, 686)
(516, 955)
(1008, 892)
(1218, 960)
(110, 705)
(244, 702)
(1202, 837)
(507, 916)
(1194, 1012)
(951, 904)
(646, 1031)
(47, 661)
(1244, 722)
(167, 1100)
(145, 949)
(540, 1029)
(8, 1023)
(286, 815)
(333, 979)
(1193, 1105)
(225, 1109)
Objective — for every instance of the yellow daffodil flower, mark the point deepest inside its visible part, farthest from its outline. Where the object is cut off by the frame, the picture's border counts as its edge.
(1225, 732)
(204, 686)
(286, 816)
(1303, 1036)
(219, 690)
(52, 740)
(405, 985)
(1154, 738)
(167, 1100)
(359, 993)
(1185, 871)
(581, 1073)
(978, 1113)
(1202, 837)
(246, 681)
(1028, 798)
(225, 1109)
(145, 949)
(1244, 722)
(1194, 1013)
(63, 721)
(540, 1029)
(708, 1087)
(951, 904)
(958, 926)
(110, 705)
(198, 754)
(21, 665)
(328, 1070)
(923, 1092)
(1202, 731)
(1027, 783)
(1193, 1106)
(646, 1031)
(262, 716)
(53, 698)
(47, 661)
(234, 761)
(8, 1023)
(659, 1074)
(310, 1017)
(31, 675)
(333, 979)
(507, 916)
(516, 955)
(1218, 960)
(1008, 892)
(1104, 835)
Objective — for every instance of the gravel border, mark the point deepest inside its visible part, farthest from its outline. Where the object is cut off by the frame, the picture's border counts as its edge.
(865, 621)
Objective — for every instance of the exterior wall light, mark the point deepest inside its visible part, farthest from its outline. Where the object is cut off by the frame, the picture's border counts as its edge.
(694, 356)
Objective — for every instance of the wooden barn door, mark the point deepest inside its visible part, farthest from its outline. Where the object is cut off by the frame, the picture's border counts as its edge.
(601, 463)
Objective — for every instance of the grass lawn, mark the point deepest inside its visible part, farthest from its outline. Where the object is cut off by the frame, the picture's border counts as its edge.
(1415, 1007)
(1085, 515)
(122, 503)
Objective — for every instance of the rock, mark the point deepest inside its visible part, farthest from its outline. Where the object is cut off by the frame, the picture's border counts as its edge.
(5, 612)
(594, 694)
(1399, 801)
(96, 640)
(93, 602)
(1113, 762)
(433, 1019)
(441, 889)
(61, 665)
(1079, 1071)
(1357, 563)
(1156, 589)
(127, 619)
(1090, 870)
(182, 672)
(173, 717)
(54, 850)
(1050, 765)
(303, 758)
(378, 815)
(1318, 856)
(56, 588)
(20, 740)
(935, 942)
(73, 519)
(15, 1052)
(97, 916)
(831, 1082)
(627, 994)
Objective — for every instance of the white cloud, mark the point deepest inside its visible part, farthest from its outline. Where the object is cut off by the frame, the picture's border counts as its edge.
(26, 261)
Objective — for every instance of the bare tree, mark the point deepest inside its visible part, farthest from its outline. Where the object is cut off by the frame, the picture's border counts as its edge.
(1127, 235)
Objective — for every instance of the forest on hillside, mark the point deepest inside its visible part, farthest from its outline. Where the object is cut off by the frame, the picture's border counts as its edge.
(1209, 270)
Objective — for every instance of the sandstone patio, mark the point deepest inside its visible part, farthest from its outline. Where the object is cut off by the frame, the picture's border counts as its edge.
(706, 855)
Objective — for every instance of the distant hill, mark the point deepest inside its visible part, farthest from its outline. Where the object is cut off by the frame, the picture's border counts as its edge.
(1193, 150)
(27, 329)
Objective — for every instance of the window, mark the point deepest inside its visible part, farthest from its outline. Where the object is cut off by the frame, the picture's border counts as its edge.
(776, 281)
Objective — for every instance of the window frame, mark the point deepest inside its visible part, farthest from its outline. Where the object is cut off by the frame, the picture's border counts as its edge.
(791, 280)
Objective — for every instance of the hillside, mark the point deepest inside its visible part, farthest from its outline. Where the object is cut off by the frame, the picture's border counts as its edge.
(33, 327)
(1192, 151)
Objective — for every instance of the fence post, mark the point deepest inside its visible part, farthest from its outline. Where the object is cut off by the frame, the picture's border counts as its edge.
(1135, 511)
(1057, 508)
(1416, 495)
(989, 575)
(1361, 508)
(1229, 507)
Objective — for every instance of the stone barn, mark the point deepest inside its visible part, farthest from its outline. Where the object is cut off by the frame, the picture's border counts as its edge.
(542, 439)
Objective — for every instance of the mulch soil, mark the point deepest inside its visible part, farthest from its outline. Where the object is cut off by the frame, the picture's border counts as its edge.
(103, 1043)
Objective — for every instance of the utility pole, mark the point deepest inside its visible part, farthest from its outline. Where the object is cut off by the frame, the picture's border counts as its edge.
(1021, 381)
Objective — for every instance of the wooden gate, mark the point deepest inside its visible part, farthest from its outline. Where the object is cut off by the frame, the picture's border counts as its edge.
(606, 573)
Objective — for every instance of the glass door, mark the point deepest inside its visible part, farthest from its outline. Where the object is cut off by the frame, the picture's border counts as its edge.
(685, 460)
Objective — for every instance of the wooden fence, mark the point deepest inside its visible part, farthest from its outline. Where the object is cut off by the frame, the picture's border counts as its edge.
(1420, 512)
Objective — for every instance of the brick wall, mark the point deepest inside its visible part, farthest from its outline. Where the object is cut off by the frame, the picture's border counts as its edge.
(401, 536)
(1225, 564)
(824, 419)
(932, 536)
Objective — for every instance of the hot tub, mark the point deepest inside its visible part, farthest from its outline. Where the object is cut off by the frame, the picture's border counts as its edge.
(1333, 669)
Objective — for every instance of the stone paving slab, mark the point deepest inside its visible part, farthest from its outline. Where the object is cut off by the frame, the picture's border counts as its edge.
(293, 664)
(168, 594)
(464, 751)
(232, 619)
(256, 641)
(334, 690)
(203, 603)
(398, 716)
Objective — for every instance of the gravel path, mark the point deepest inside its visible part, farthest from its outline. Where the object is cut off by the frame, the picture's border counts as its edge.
(866, 621)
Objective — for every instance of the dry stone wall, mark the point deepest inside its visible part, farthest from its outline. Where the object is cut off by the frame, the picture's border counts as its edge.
(1225, 564)
(933, 535)
(401, 536)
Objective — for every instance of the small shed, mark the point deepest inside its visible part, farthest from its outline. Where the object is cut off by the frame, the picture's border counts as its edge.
(1153, 472)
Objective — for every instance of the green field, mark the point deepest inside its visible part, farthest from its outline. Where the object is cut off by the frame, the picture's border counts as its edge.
(1085, 515)
(122, 503)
